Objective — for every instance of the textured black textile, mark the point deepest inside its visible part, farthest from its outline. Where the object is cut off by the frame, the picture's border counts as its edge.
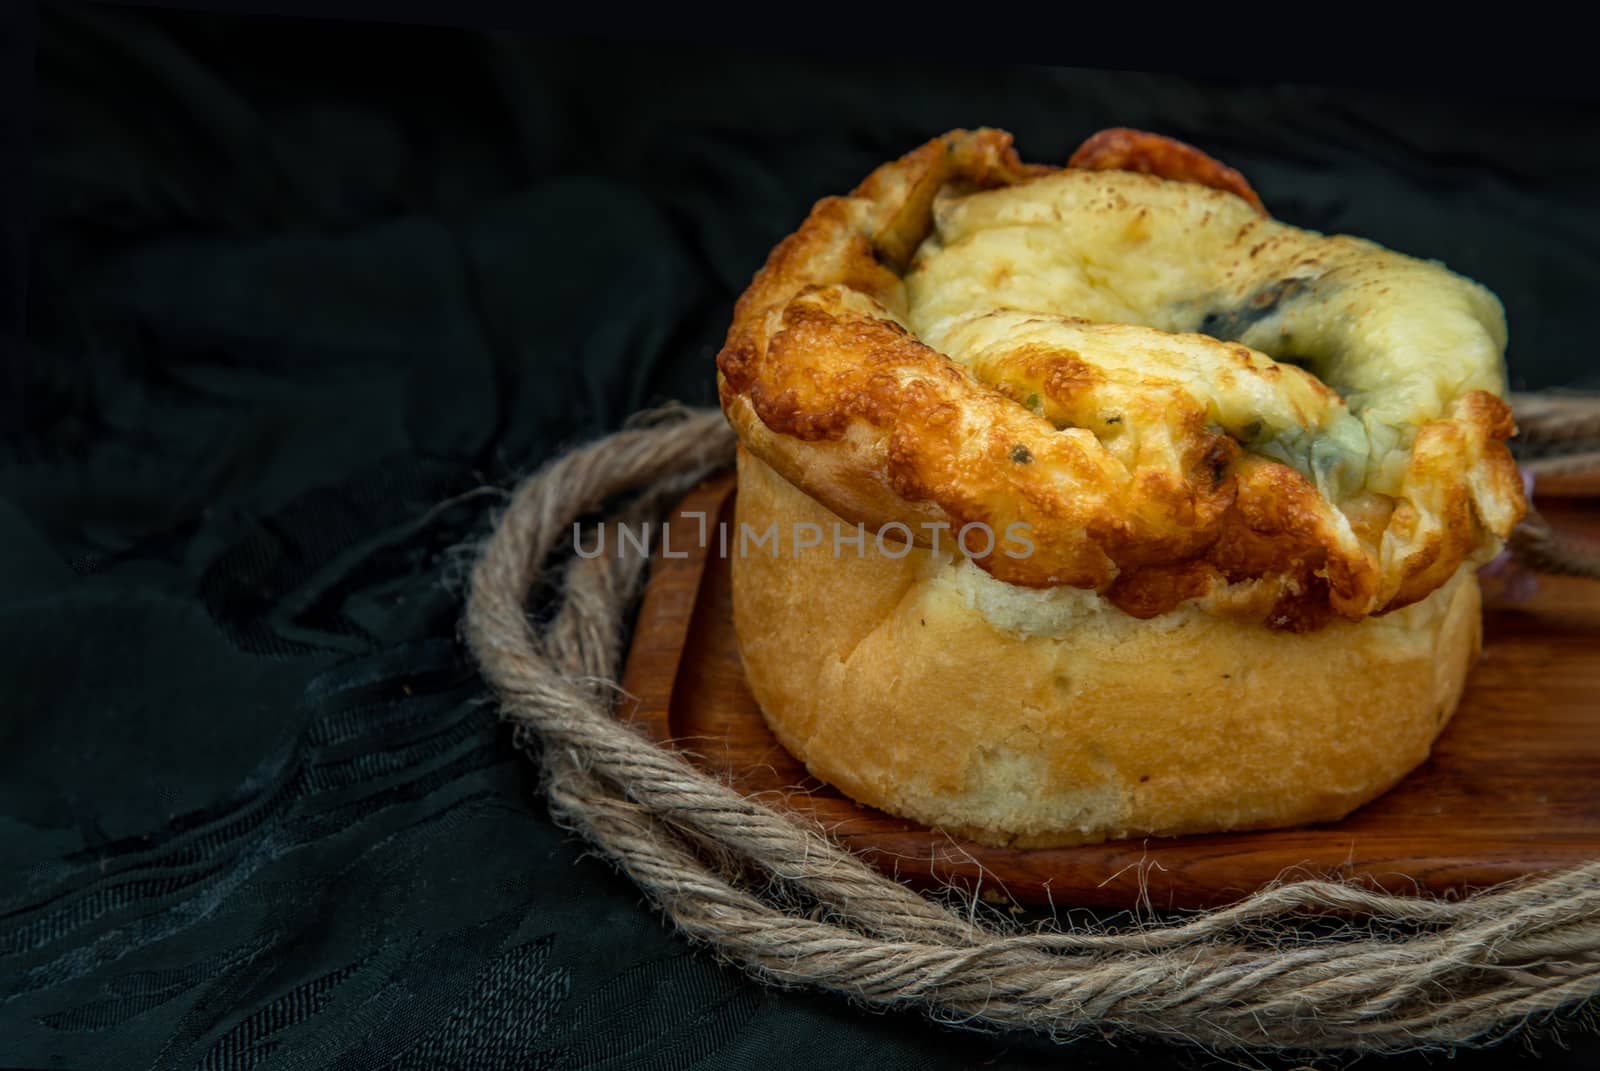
(298, 292)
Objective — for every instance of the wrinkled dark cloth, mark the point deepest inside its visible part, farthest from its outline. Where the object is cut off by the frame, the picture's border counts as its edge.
(300, 296)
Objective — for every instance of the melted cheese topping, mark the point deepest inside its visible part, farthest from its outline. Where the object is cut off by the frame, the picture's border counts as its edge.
(1177, 268)
(1182, 401)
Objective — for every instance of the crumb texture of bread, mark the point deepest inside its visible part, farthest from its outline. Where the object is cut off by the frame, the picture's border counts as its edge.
(917, 683)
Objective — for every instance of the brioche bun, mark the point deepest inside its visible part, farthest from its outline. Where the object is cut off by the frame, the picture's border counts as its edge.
(1255, 467)
(922, 686)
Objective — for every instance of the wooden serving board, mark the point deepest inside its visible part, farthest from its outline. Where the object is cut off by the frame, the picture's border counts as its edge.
(1512, 787)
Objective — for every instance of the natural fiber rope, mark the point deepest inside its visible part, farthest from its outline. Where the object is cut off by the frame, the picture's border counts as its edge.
(1561, 424)
(1546, 550)
(1557, 435)
(782, 900)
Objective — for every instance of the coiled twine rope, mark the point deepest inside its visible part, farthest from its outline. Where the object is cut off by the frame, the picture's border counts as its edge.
(1305, 965)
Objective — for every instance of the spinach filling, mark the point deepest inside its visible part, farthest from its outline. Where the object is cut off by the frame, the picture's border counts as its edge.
(1336, 457)
(1231, 325)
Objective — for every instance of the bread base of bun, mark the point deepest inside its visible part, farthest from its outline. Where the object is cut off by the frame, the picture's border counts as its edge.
(922, 686)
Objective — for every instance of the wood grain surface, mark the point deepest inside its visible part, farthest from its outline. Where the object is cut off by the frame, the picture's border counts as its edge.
(1512, 787)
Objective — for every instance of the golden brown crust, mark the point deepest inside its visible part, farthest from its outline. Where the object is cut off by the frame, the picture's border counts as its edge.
(1122, 149)
(821, 379)
(920, 686)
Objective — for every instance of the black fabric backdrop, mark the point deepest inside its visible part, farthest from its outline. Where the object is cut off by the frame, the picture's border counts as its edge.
(298, 292)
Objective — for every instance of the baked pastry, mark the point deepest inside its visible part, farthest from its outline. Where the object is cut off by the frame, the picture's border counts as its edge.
(1141, 512)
